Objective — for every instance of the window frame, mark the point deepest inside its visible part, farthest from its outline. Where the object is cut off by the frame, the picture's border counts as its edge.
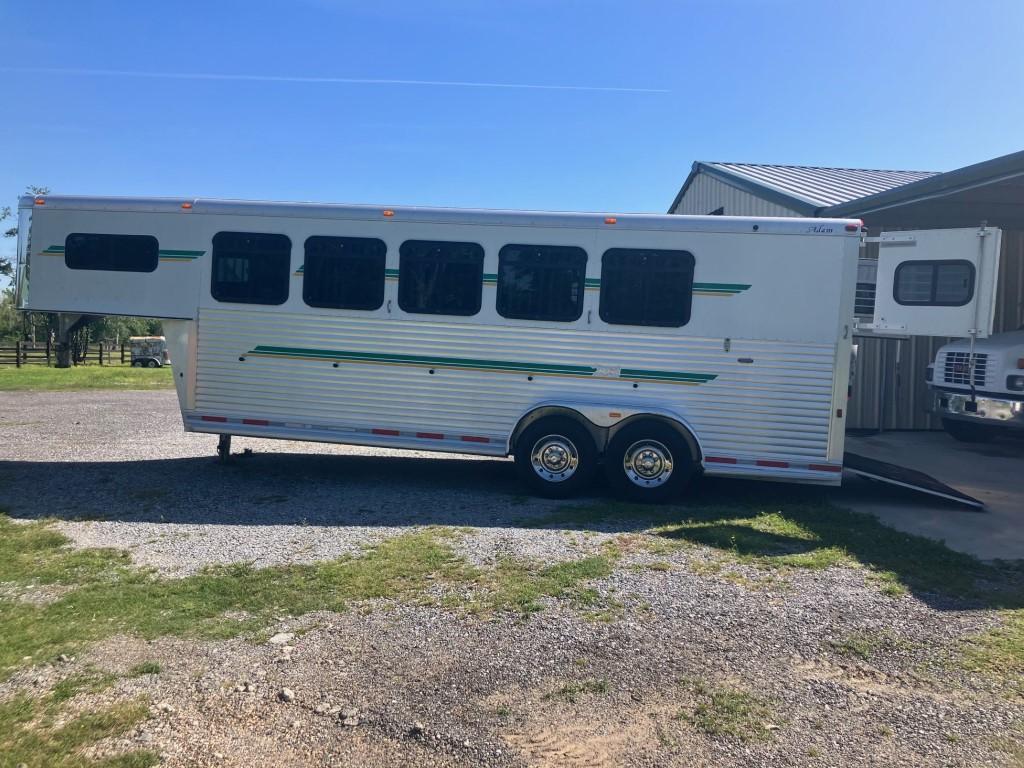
(687, 314)
(935, 264)
(153, 258)
(403, 254)
(214, 259)
(551, 318)
(365, 307)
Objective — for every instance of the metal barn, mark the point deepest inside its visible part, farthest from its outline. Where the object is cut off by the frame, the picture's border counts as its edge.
(889, 387)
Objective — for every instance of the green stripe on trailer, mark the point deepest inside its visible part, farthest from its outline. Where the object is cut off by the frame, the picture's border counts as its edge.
(726, 288)
(478, 364)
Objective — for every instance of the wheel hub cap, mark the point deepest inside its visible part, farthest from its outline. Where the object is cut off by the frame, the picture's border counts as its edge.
(554, 458)
(648, 463)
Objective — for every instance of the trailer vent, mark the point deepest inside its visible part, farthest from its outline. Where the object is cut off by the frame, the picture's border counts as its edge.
(957, 366)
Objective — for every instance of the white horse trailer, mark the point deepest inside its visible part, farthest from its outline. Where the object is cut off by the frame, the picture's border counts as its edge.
(657, 346)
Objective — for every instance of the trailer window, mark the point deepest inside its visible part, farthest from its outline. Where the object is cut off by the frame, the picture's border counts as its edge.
(344, 272)
(112, 253)
(440, 278)
(947, 283)
(541, 282)
(644, 286)
(251, 267)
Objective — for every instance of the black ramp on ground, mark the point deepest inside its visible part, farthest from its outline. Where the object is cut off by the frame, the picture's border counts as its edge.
(905, 478)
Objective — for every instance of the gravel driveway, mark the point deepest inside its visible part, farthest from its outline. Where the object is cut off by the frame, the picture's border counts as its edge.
(397, 684)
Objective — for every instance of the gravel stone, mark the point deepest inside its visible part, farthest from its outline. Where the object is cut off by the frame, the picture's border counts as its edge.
(491, 687)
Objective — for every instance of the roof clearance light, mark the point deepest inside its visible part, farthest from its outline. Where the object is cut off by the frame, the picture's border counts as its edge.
(1020, 363)
(40, 201)
(186, 206)
(853, 227)
(610, 220)
(389, 212)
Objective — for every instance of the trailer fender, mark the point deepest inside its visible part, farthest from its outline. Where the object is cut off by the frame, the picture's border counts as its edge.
(603, 420)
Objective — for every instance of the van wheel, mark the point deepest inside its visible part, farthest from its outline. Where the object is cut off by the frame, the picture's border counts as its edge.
(136, 363)
(966, 432)
(152, 364)
(648, 461)
(556, 457)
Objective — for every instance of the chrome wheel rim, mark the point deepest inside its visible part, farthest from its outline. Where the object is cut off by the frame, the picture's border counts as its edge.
(555, 458)
(647, 463)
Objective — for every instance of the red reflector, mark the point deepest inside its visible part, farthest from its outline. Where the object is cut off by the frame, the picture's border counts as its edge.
(389, 432)
(430, 435)
(256, 422)
(472, 439)
(770, 463)
(719, 460)
(852, 228)
(215, 418)
(826, 467)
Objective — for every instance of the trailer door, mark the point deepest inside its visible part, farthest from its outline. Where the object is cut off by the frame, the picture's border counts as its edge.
(937, 282)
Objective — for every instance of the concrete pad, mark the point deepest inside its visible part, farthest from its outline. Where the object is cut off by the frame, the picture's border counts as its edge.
(990, 472)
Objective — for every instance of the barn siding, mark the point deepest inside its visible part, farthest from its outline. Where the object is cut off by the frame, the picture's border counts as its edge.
(889, 390)
(707, 194)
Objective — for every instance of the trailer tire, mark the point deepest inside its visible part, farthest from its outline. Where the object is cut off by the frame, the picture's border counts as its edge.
(648, 461)
(556, 457)
(965, 432)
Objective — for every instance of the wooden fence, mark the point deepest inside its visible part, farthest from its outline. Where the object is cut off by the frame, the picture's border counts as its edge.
(39, 353)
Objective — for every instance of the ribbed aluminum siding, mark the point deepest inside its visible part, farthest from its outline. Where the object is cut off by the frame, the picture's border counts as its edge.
(707, 194)
(779, 407)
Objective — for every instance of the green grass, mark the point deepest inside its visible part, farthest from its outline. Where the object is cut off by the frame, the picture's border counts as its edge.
(999, 653)
(30, 734)
(809, 534)
(146, 668)
(519, 586)
(864, 645)
(41, 378)
(112, 596)
(572, 692)
(728, 712)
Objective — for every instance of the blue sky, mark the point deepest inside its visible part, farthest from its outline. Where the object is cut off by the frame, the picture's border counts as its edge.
(130, 98)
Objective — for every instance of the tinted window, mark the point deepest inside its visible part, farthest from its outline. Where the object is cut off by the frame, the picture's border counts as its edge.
(541, 282)
(642, 286)
(440, 278)
(344, 272)
(114, 253)
(250, 267)
(934, 283)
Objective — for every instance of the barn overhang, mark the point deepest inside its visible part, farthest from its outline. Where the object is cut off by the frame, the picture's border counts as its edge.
(991, 191)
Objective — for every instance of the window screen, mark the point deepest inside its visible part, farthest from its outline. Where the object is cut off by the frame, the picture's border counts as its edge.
(541, 282)
(344, 272)
(934, 283)
(440, 278)
(641, 286)
(251, 267)
(113, 253)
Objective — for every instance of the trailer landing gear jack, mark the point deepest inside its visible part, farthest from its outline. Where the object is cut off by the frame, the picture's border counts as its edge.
(224, 447)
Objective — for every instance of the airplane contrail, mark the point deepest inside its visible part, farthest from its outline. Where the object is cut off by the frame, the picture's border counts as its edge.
(324, 80)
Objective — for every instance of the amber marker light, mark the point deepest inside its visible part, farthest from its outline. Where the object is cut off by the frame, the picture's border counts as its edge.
(186, 206)
(389, 212)
(610, 220)
(39, 201)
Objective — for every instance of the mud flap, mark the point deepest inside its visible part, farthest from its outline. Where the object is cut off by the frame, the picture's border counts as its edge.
(906, 478)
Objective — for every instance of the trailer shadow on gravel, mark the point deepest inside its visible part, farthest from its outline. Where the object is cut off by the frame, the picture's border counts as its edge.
(758, 524)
